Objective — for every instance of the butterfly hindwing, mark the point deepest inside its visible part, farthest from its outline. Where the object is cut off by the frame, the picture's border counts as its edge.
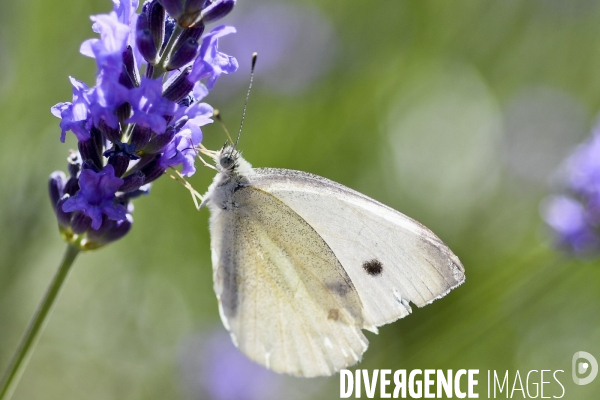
(284, 296)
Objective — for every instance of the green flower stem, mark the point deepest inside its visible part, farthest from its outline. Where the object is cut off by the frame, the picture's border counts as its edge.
(161, 66)
(17, 365)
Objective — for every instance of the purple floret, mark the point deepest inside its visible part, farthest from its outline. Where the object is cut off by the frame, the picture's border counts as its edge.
(109, 48)
(210, 63)
(74, 116)
(96, 196)
(149, 107)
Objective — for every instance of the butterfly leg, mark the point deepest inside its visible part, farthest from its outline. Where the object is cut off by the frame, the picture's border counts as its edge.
(196, 197)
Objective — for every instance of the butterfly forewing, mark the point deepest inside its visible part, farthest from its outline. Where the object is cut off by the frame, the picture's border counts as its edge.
(391, 259)
(283, 294)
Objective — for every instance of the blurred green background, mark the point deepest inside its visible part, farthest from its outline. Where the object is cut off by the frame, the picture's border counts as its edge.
(455, 113)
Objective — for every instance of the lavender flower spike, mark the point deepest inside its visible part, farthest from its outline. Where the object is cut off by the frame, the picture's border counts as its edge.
(130, 130)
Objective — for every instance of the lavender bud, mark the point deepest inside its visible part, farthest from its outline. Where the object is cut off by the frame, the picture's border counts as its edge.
(131, 67)
(186, 101)
(120, 162)
(56, 186)
(119, 156)
(173, 7)
(98, 139)
(192, 33)
(193, 6)
(129, 76)
(80, 222)
(123, 112)
(144, 160)
(89, 152)
(191, 13)
(72, 186)
(108, 232)
(142, 191)
(132, 182)
(140, 136)
(153, 171)
(156, 21)
(87, 164)
(179, 87)
(159, 142)
(112, 134)
(180, 123)
(186, 48)
(63, 217)
(106, 224)
(144, 39)
(125, 80)
(217, 10)
(149, 70)
(169, 28)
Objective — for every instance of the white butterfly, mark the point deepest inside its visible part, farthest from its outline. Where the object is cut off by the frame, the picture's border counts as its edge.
(302, 264)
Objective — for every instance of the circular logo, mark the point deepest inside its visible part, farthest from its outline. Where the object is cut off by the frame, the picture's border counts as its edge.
(581, 367)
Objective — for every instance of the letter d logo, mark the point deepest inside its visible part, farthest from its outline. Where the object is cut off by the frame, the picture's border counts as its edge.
(581, 367)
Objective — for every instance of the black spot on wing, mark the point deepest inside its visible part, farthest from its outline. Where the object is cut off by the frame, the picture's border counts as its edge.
(373, 267)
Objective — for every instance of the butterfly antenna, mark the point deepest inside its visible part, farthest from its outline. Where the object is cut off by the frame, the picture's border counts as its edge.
(254, 57)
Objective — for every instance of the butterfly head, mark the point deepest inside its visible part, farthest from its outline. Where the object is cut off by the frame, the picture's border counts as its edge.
(230, 162)
(227, 158)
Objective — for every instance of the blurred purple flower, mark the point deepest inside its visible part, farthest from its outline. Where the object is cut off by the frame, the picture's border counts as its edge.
(584, 169)
(569, 220)
(296, 44)
(574, 216)
(219, 371)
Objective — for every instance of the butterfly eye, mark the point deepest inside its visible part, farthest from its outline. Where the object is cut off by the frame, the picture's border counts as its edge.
(226, 161)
